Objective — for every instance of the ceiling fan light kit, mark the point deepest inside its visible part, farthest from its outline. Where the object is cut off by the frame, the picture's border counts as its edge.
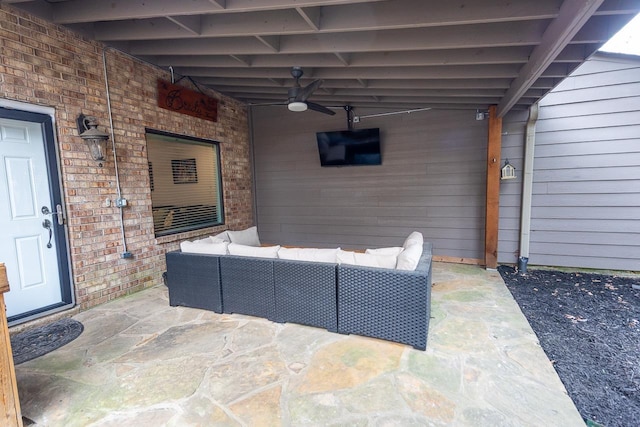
(298, 95)
(297, 106)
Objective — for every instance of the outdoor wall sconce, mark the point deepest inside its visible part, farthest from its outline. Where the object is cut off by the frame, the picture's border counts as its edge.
(507, 171)
(481, 115)
(95, 139)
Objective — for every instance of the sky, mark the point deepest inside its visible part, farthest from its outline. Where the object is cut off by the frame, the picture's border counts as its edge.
(627, 40)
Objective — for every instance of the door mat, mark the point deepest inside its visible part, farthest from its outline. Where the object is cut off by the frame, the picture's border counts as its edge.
(39, 341)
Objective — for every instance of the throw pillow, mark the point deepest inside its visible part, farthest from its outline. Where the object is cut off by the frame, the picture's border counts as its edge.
(204, 248)
(247, 237)
(254, 251)
(409, 258)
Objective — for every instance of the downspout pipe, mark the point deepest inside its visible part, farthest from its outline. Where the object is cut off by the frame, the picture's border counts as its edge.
(527, 188)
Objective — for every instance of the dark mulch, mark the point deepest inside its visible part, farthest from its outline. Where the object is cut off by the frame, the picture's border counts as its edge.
(589, 326)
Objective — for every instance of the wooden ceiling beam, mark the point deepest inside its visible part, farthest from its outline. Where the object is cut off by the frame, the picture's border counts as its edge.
(191, 24)
(271, 42)
(418, 73)
(74, 11)
(420, 13)
(221, 25)
(506, 55)
(221, 4)
(465, 37)
(411, 84)
(572, 17)
(311, 16)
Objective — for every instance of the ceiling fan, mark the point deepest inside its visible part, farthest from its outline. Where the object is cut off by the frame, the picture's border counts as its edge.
(298, 95)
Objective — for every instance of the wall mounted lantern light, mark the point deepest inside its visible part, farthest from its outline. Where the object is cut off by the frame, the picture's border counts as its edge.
(481, 115)
(507, 171)
(94, 138)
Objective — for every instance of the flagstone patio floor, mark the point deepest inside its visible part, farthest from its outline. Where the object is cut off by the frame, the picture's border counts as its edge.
(140, 362)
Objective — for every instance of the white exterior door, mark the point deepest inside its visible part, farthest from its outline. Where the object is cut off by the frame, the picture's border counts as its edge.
(29, 234)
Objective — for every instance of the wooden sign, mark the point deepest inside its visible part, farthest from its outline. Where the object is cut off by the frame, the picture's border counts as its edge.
(182, 100)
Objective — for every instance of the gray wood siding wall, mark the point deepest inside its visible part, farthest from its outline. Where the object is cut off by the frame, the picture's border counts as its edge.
(432, 179)
(586, 195)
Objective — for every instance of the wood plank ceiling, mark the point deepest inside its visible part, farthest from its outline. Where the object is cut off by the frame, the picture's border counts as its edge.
(377, 53)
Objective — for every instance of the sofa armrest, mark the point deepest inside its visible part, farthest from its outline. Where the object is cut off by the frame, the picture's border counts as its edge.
(389, 304)
(194, 280)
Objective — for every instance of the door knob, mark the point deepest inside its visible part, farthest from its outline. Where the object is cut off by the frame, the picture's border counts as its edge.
(58, 213)
(47, 225)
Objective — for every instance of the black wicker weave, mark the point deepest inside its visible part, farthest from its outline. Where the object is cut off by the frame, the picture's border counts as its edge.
(247, 286)
(389, 304)
(306, 293)
(194, 280)
(377, 302)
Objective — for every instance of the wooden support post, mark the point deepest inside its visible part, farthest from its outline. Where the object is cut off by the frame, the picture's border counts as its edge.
(9, 406)
(492, 208)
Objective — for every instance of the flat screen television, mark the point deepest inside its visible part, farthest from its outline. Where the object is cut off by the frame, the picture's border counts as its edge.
(349, 147)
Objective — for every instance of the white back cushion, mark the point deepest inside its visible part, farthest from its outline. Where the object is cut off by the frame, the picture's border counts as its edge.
(309, 254)
(204, 248)
(247, 237)
(395, 250)
(220, 237)
(414, 237)
(409, 258)
(254, 251)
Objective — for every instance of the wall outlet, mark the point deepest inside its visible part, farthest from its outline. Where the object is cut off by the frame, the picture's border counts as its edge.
(121, 202)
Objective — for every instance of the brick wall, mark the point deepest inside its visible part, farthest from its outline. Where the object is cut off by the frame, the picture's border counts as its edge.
(44, 64)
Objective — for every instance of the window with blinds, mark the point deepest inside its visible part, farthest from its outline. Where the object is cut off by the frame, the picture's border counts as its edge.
(186, 189)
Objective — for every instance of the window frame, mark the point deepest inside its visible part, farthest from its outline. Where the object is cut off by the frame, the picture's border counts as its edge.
(218, 168)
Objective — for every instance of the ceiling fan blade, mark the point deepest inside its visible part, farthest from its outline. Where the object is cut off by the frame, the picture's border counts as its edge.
(262, 104)
(293, 94)
(306, 92)
(319, 108)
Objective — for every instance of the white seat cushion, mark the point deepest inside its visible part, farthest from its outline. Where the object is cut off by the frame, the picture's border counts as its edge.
(254, 251)
(366, 260)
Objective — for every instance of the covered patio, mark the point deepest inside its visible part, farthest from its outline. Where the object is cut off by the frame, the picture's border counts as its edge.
(141, 362)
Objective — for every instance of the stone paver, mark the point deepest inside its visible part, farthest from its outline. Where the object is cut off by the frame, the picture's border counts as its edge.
(141, 362)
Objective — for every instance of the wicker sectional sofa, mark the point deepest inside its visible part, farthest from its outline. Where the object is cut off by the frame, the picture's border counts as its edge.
(383, 303)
